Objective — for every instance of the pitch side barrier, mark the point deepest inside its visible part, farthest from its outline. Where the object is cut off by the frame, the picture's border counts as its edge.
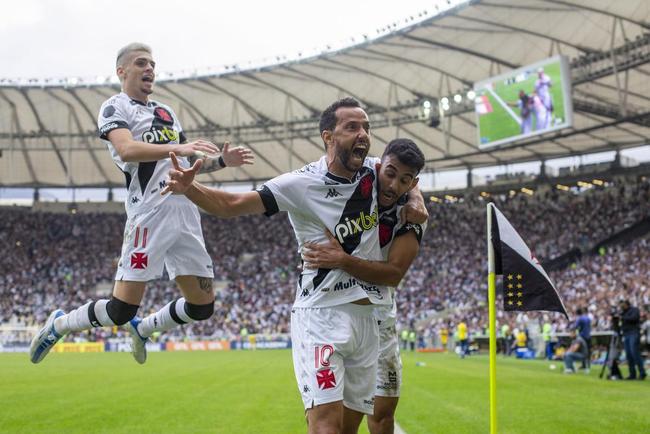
(250, 342)
(598, 338)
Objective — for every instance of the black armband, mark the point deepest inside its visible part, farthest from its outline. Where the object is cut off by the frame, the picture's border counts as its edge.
(221, 162)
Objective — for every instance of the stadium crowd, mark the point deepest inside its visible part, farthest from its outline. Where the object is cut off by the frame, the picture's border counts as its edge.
(59, 260)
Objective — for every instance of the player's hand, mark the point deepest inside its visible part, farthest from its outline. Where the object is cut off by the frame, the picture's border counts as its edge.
(328, 255)
(237, 156)
(180, 179)
(414, 212)
(198, 148)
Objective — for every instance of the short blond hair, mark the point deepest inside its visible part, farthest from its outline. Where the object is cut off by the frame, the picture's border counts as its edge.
(128, 49)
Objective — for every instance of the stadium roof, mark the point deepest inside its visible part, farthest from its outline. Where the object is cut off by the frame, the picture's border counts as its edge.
(48, 130)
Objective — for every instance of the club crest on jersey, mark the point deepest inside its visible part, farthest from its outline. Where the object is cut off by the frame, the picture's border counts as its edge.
(365, 186)
(163, 115)
(385, 234)
(354, 226)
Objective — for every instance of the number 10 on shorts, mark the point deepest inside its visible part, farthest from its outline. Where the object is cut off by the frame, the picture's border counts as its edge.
(322, 355)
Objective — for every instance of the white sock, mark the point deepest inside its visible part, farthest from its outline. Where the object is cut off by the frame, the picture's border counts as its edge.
(170, 316)
(82, 318)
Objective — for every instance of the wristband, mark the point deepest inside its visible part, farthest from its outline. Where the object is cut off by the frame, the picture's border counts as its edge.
(221, 162)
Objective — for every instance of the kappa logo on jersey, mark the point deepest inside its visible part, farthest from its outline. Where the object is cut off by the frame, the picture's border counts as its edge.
(325, 378)
(350, 227)
(139, 261)
(332, 192)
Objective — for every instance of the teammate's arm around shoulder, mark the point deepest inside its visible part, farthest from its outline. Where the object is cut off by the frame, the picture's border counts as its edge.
(213, 201)
(415, 210)
(390, 272)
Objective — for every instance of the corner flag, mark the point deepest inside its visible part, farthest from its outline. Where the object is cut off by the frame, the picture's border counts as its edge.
(526, 286)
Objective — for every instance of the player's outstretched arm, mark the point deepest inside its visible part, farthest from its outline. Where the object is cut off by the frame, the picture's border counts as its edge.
(331, 255)
(131, 150)
(229, 157)
(213, 201)
(415, 211)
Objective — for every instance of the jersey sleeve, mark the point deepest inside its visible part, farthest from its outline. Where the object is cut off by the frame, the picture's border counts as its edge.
(111, 117)
(417, 229)
(283, 193)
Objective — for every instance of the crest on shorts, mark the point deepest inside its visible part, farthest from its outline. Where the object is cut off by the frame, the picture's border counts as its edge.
(139, 261)
(325, 378)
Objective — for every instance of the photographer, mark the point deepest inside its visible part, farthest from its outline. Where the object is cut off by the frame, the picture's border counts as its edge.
(631, 330)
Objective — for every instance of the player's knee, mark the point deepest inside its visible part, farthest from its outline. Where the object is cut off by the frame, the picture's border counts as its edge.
(199, 312)
(120, 312)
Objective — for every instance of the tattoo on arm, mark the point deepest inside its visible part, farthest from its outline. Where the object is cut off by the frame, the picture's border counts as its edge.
(209, 164)
(205, 283)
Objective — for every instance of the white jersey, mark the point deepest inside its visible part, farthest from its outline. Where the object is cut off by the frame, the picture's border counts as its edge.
(542, 86)
(392, 226)
(315, 200)
(151, 123)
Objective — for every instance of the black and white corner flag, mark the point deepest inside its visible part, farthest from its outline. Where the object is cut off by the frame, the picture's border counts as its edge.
(526, 286)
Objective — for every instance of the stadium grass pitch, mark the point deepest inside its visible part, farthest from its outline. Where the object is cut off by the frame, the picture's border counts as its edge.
(255, 392)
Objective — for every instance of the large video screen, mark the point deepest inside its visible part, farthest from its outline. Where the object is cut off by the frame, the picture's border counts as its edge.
(524, 102)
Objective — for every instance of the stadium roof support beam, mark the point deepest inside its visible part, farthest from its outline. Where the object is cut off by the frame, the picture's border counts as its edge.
(599, 11)
(527, 32)
(46, 132)
(462, 50)
(376, 75)
(292, 95)
(77, 122)
(328, 83)
(423, 65)
(208, 122)
(15, 120)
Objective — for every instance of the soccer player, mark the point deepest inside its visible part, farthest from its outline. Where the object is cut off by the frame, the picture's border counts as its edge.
(335, 338)
(139, 134)
(400, 242)
(543, 90)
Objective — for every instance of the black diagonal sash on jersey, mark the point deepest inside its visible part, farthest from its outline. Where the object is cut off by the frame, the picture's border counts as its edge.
(360, 201)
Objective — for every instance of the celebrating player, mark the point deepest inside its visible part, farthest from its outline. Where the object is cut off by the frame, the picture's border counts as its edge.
(333, 332)
(139, 134)
(400, 242)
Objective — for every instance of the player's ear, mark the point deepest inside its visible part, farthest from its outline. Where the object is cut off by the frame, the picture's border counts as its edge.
(120, 72)
(326, 135)
(414, 183)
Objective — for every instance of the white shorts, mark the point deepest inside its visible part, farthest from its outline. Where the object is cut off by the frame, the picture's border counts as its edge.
(335, 355)
(167, 236)
(389, 369)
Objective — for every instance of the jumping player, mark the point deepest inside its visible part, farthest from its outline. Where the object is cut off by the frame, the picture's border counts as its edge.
(333, 331)
(139, 134)
(400, 242)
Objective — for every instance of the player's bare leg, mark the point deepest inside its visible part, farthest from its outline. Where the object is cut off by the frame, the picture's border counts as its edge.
(351, 420)
(119, 310)
(383, 421)
(326, 418)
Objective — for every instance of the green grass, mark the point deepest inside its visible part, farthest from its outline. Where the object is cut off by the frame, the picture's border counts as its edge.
(499, 124)
(255, 392)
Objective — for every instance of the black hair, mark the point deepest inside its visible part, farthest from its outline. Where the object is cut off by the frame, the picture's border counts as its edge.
(407, 152)
(328, 117)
